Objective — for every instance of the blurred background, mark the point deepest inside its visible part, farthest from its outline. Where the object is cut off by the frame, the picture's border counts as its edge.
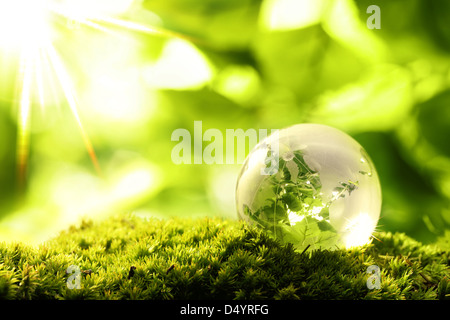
(230, 64)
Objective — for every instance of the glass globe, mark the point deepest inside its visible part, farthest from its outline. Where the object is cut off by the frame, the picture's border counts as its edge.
(310, 185)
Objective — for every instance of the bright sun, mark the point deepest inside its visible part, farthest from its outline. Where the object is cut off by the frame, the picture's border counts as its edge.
(24, 22)
(28, 28)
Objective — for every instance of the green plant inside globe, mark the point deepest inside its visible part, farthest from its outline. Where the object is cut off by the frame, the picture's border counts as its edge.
(310, 185)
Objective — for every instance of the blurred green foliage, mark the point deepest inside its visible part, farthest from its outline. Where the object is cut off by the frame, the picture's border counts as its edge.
(257, 66)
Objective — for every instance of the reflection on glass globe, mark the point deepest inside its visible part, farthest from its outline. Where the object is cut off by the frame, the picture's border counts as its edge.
(310, 185)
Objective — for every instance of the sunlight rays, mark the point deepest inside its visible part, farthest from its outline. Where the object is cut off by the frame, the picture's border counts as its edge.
(23, 134)
(29, 27)
(69, 93)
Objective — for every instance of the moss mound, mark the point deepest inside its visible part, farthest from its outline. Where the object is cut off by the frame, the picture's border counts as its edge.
(131, 258)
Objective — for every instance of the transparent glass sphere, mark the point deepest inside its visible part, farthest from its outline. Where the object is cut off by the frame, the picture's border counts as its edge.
(310, 185)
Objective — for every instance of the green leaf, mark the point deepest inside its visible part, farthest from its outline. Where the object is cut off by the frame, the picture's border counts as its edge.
(325, 212)
(291, 201)
(325, 226)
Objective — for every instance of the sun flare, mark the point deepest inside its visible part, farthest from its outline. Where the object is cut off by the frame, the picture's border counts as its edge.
(24, 22)
(28, 28)
(359, 230)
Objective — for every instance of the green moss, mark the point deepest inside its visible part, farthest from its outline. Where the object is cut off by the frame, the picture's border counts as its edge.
(131, 258)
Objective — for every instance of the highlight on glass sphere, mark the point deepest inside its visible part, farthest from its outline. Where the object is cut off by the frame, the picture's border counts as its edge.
(310, 185)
